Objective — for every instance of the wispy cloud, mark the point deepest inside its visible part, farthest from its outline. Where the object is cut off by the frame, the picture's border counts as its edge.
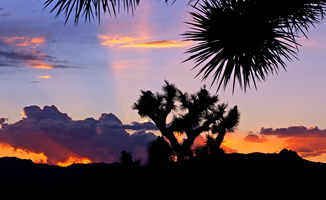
(108, 40)
(255, 138)
(21, 51)
(134, 42)
(20, 41)
(158, 44)
(45, 77)
(309, 43)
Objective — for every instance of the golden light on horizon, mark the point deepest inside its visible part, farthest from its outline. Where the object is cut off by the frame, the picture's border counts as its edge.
(74, 160)
(144, 120)
(7, 150)
(158, 44)
(44, 77)
(108, 40)
(42, 66)
(38, 40)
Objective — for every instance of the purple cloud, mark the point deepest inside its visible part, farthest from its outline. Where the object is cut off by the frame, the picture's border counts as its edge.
(255, 138)
(291, 131)
(55, 134)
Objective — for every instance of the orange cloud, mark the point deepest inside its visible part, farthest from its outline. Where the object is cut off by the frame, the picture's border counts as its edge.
(38, 40)
(37, 60)
(158, 44)
(308, 142)
(40, 66)
(238, 142)
(115, 40)
(74, 160)
(20, 41)
(308, 145)
(23, 44)
(12, 39)
(44, 77)
(7, 150)
(255, 138)
(134, 42)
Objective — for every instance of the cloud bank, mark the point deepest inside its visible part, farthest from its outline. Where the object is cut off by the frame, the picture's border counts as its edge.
(308, 142)
(55, 134)
(255, 138)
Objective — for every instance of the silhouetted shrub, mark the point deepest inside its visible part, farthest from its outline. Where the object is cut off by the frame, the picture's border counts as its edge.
(127, 160)
(160, 153)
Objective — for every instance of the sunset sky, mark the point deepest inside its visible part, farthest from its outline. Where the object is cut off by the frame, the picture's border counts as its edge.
(92, 68)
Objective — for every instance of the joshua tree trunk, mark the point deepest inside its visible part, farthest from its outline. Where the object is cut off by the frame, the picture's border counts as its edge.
(172, 139)
(219, 139)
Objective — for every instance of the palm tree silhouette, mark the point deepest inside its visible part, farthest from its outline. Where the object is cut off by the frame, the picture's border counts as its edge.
(191, 115)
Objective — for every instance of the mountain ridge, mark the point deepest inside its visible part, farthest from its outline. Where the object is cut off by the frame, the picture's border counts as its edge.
(19, 174)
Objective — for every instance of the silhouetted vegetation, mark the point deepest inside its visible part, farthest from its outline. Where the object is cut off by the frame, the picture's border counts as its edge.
(160, 153)
(230, 170)
(191, 115)
(127, 160)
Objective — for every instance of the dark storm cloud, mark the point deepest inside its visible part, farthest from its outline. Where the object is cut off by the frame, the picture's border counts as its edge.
(55, 134)
(292, 131)
(48, 112)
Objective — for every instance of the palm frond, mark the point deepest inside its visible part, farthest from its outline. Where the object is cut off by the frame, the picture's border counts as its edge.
(246, 40)
(89, 9)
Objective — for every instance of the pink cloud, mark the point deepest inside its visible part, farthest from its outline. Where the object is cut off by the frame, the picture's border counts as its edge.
(255, 138)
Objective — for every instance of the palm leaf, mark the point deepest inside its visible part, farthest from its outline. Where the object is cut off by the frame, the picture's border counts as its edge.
(246, 40)
(89, 9)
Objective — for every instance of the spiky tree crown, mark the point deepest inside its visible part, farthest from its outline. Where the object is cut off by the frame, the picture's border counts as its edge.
(245, 40)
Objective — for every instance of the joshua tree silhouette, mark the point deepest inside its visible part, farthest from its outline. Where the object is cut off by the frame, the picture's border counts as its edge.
(190, 115)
